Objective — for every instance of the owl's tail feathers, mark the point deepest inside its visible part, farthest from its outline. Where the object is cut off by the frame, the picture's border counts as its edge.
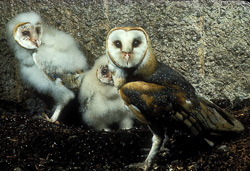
(221, 120)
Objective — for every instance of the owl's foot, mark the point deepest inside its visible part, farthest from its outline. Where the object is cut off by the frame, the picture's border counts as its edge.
(142, 165)
(56, 114)
(138, 165)
(45, 117)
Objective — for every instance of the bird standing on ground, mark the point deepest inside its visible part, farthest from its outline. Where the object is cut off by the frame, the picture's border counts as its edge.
(158, 95)
(50, 60)
(101, 104)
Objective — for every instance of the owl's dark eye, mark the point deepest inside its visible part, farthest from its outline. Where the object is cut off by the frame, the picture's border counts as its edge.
(26, 33)
(118, 43)
(136, 43)
(38, 30)
(105, 71)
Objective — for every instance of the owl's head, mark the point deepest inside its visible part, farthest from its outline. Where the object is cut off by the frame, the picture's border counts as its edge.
(129, 48)
(26, 29)
(104, 75)
(102, 71)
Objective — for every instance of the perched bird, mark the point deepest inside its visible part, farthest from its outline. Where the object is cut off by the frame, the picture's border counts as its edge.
(101, 104)
(158, 95)
(50, 60)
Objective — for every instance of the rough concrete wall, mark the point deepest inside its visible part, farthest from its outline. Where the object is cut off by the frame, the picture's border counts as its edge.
(209, 43)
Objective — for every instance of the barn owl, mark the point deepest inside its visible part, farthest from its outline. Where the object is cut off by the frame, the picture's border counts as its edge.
(158, 95)
(50, 60)
(101, 104)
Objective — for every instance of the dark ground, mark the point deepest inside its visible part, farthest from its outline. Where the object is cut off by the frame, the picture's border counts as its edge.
(28, 143)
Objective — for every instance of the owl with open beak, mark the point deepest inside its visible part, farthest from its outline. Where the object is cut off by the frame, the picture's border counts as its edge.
(158, 95)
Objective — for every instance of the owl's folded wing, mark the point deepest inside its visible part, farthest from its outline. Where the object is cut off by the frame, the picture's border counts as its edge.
(169, 106)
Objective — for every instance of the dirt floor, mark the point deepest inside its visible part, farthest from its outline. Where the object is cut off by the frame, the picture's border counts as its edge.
(30, 143)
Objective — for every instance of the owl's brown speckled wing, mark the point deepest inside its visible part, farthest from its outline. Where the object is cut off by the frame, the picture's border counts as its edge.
(168, 106)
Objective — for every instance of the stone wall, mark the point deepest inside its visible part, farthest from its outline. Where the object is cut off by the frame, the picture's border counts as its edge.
(208, 43)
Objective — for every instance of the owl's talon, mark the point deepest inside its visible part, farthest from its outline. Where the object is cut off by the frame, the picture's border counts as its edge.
(45, 117)
(57, 122)
(141, 165)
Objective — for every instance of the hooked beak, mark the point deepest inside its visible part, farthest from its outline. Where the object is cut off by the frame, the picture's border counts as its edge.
(127, 56)
(35, 42)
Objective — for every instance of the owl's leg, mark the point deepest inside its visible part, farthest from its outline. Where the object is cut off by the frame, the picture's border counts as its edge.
(165, 140)
(146, 165)
(56, 114)
(157, 141)
(62, 97)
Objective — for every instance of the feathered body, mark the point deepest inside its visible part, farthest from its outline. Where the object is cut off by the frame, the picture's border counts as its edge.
(101, 104)
(60, 57)
(158, 95)
(54, 66)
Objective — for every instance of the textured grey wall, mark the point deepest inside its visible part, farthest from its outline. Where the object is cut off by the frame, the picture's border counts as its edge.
(209, 43)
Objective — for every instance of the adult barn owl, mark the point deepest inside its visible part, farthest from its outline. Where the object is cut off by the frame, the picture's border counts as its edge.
(50, 60)
(101, 104)
(158, 95)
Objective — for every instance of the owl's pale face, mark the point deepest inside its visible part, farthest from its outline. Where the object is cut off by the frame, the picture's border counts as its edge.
(127, 47)
(104, 75)
(27, 35)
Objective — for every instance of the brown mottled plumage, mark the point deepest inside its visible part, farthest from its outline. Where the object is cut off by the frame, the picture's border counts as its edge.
(158, 95)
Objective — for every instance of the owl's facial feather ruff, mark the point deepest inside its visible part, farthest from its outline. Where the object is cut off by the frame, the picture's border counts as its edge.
(104, 75)
(120, 63)
(29, 17)
(18, 25)
(91, 80)
(125, 48)
(27, 35)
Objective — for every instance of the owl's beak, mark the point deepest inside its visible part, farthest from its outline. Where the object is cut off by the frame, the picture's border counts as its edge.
(127, 56)
(35, 42)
